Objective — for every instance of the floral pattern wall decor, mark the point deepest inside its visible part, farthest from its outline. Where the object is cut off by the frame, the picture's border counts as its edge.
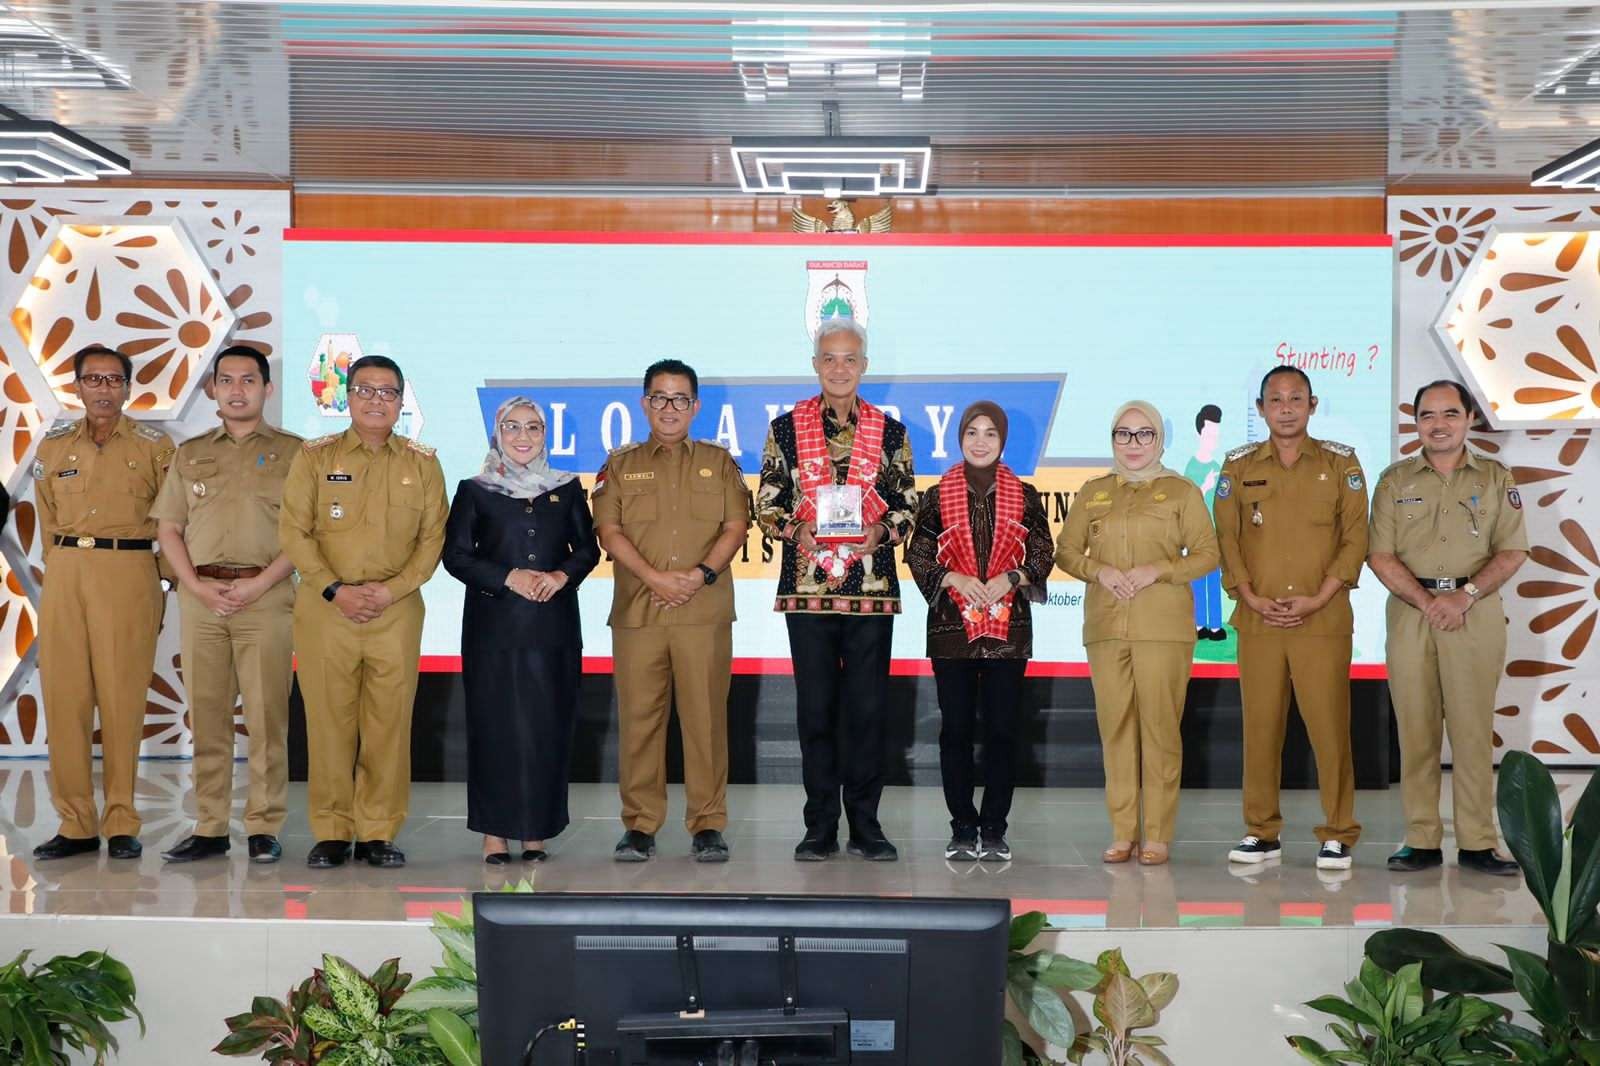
(170, 276)
(1503, 293)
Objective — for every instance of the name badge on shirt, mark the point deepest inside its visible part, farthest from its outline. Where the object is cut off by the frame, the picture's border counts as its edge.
(340, 477)
(67, 473)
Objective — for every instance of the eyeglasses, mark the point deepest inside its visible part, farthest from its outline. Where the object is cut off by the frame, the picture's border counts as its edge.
(509, 428)
(677, 401)
(1145, 436)
(384, 393)
(104, 381)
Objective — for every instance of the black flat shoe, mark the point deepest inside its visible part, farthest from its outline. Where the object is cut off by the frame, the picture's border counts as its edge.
(1408, 860)
(709, 846)
(381, 853)
(635, 847)
(264, 848)
(123, 846)
(535, 855)
(60, 847)
(328, 854)
(497, 858)
(196, 848)
(873, 849)
(1486, 861)
(816, 847)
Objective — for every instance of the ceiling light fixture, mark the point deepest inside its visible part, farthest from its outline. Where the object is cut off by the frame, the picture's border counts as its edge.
(35, 152)
(1578, 169)
(832, 166)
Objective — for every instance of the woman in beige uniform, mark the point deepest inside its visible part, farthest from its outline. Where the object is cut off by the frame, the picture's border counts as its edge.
(1137, 536)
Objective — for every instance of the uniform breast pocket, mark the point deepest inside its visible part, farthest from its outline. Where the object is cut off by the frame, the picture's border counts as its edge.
(639, 503)
(1323, 506)
(142, 488)
(706, 504)
(405, 510)
(1255, 503)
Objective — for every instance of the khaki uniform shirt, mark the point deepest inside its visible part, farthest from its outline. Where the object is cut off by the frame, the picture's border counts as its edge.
(1162, 522)
(1286, 529)
(225, 493)
(84, 490)
(357, 514)
(1447, 525)
(671, 502)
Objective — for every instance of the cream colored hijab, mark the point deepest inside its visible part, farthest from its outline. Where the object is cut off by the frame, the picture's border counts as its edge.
(1153, 469)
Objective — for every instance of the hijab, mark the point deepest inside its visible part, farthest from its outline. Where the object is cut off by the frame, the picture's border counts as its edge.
(1153, 469)
(981, 479)
(505, 475)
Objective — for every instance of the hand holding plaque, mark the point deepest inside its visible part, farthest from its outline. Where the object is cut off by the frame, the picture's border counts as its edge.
(839, 517)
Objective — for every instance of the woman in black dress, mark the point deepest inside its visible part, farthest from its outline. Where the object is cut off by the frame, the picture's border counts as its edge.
(520, 538)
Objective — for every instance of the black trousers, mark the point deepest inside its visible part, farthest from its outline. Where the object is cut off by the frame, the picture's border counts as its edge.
(963, 684)
(841, 681)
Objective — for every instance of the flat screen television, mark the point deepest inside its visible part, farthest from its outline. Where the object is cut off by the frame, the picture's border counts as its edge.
(691, 980)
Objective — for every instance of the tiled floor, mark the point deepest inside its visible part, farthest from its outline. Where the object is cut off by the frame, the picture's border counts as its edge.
(1056, 834)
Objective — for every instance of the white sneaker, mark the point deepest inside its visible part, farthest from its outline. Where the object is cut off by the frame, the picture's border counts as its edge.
(1254, 850)
(1333, 856)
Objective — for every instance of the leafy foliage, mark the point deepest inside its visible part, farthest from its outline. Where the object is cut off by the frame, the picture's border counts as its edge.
(1393, 1020)
(67, 1002)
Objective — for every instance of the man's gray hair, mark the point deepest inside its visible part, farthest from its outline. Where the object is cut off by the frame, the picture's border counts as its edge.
(840, 324)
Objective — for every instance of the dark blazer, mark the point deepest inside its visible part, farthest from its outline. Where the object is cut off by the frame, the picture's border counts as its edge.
(488, 535)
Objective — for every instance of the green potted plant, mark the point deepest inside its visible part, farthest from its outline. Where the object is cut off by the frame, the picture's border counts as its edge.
(1392, 1019)
(68, 1002)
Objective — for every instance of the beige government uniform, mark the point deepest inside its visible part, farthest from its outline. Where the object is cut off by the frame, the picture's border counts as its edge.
(225, 493)
(360, 515)
(1285, 530)
(1442, 527)
(671, 502)
(100, 612)
(1140, 650)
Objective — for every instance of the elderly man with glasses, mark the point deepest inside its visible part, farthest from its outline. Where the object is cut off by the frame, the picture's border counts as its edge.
(94, 480)
(671, 512)
(363, 522)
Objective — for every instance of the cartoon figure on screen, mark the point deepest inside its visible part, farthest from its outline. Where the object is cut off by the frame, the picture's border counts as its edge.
(1203, 469)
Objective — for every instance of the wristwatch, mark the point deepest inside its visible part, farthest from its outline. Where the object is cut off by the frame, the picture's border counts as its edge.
(1015, 577)
(332, 590)
(1472, 590)
(710, 574)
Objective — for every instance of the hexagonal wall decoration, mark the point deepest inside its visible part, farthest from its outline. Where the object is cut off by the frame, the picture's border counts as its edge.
(136, 284)
(1521, 327)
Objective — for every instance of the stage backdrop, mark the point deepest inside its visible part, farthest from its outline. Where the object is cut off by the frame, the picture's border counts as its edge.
(1060, 331)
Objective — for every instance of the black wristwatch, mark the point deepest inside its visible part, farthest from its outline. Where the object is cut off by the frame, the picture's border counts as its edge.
(709, 574)
(332, 590)
(1015, 577)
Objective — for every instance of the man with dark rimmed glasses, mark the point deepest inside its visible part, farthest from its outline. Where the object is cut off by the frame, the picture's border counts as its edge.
(94, 481)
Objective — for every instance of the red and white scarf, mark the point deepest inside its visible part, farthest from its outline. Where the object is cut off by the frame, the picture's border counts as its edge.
(816, 470)
(957, 551)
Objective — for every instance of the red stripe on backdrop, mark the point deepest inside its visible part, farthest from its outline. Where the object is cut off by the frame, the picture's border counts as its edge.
(601, 664)
(986, 240)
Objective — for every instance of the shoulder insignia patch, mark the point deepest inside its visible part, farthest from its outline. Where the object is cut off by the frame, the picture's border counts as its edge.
(38, 470)
(61, 429)
(149, 432)
(1393, 468)
(1241, 451)
(1224, 487)
(420, 448)
(713, 444)
(622, 449)
(1336, 448)
(317, 442)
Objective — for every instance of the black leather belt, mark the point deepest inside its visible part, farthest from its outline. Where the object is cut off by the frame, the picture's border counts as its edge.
(109, 543)
(1443, 584)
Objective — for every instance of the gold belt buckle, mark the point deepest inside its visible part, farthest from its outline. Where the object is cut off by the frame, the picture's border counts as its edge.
(85, 542)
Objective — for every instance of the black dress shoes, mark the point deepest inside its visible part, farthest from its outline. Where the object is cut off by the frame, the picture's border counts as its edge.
(497, 858)
(123, 846)
(1409, 859)
(264, 848)
(381, 853)
(328, 853)
(1486, 861)
(534, 855)
(196, 848)
(635, 847)
(60, 847)
(873, 848)
(709, 846)
(816, 847)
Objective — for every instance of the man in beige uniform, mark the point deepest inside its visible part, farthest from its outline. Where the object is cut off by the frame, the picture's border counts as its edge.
(1291, 518)
(671, 513)
(1447, 532)
(218, 525)
(363, 523)
(94, 480)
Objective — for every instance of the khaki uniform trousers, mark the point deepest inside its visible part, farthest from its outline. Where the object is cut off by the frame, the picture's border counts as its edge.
(249, 653)
(1447, 681)
(99, 617)
(654, 664)
(1318, 670)
(1139, 690)
(359, 683)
